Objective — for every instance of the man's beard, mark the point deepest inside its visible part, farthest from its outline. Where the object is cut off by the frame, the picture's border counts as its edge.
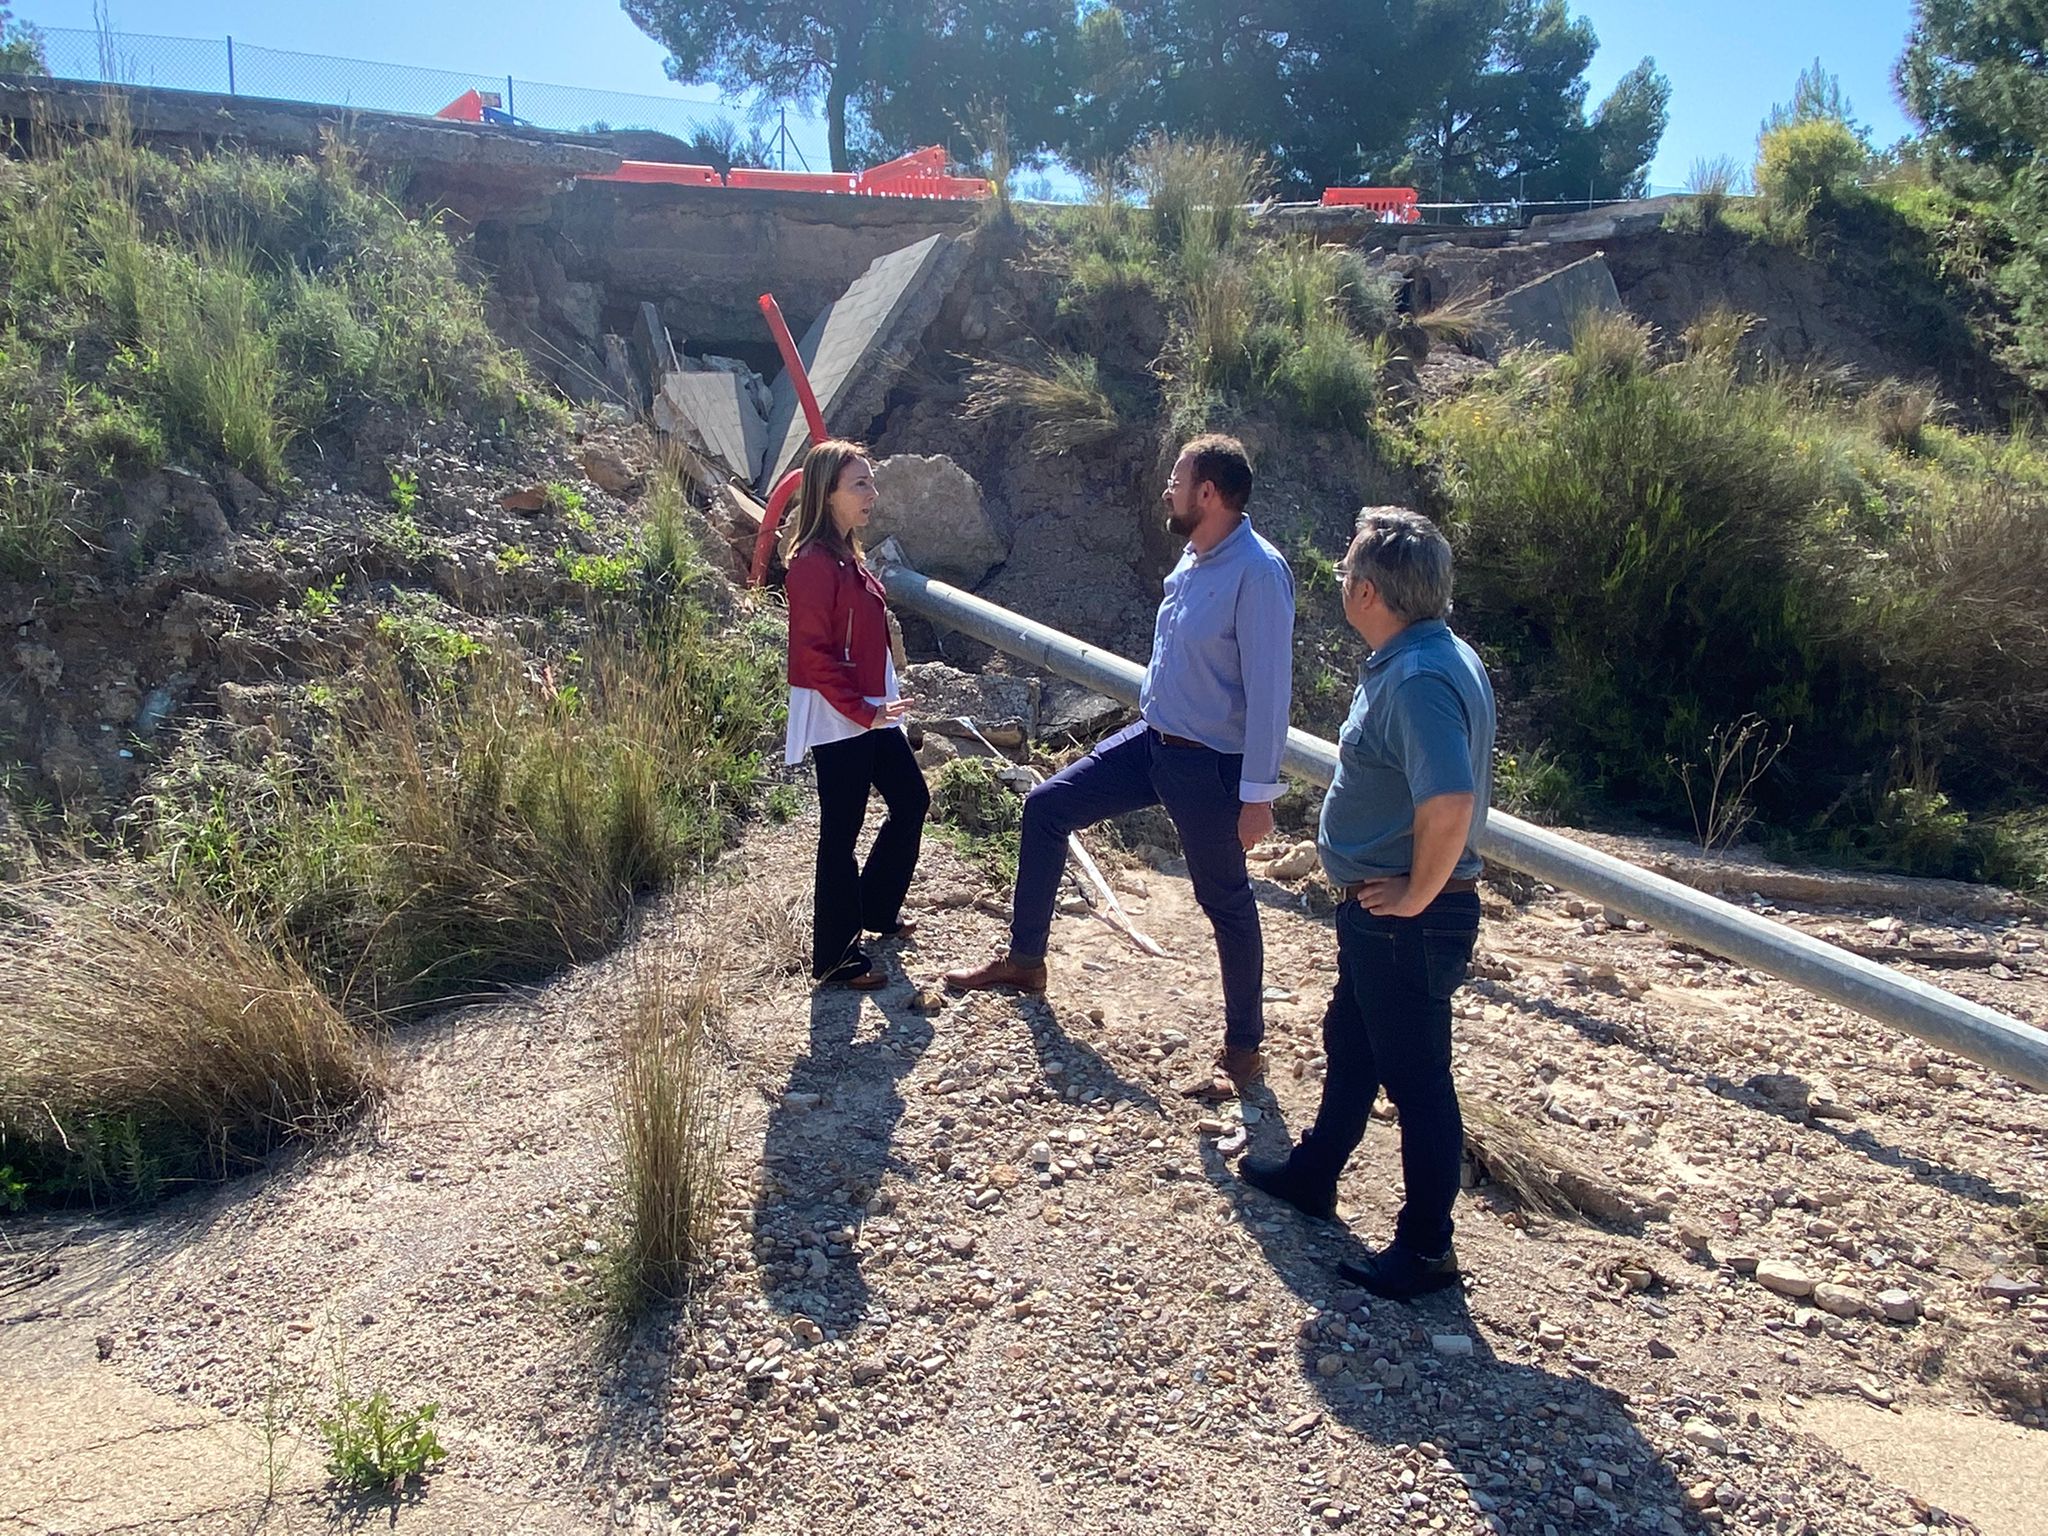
(1181, 524)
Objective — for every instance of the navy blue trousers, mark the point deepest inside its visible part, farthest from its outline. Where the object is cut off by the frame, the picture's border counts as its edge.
(1131, 770)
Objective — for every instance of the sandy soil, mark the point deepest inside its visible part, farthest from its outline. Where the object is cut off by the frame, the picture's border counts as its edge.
(981, 1268)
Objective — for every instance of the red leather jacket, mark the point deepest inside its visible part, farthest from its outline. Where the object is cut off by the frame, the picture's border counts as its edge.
(838, 630)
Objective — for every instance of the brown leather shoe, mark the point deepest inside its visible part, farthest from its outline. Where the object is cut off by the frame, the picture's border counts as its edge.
(1025, 976)
(1229, 1076)
(905, 929)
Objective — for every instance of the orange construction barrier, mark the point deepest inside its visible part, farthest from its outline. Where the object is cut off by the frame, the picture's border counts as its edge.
(789, 181)
(663, 172)
(1395, 205)
(466, 108)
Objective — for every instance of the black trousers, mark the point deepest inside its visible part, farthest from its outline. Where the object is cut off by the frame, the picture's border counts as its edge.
(847, 896)
(1389, 1026)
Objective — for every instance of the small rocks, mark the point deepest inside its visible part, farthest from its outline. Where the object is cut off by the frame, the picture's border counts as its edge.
(1840, 1300)
(1899, 1306)
(1453, 1346)
(1707, 1435)
(1659, 1350)
(1784, 1277)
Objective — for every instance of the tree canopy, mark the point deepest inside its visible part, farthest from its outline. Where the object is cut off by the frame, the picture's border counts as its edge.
(1975, 75)
(889, 73)
(1478, 99)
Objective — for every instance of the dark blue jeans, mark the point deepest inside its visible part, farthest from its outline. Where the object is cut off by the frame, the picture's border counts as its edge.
(1198, 787)
(1389, 1026)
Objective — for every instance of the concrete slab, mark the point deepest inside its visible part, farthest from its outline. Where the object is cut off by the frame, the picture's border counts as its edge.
(713, 411)
(855, 349)
(1542, 312)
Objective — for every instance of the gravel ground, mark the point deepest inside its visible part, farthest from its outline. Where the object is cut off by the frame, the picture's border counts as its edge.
(981, 1268)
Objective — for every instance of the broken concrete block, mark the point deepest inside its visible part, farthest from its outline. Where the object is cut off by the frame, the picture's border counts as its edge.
(755, 387)
(933, 509)
(862, 340)
(1004, 709)
(711, 411)
(620, 380)
(654, 354)
(1542, 312)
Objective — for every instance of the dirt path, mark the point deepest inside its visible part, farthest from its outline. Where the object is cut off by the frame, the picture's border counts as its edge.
(981, 1269)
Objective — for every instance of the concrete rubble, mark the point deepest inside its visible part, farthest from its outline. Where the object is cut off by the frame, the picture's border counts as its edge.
(1543, 311)
(854, 350)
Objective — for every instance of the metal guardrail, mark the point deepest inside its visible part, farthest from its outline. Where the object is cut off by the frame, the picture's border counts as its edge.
(1953, 1023)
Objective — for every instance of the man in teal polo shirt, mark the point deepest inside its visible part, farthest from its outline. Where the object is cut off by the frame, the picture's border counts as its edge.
(1414, 777)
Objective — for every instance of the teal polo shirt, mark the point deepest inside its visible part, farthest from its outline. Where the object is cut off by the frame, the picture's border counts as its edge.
(1421, 725)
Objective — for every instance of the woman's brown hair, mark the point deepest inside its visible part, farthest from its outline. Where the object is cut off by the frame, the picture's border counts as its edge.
(822, 467)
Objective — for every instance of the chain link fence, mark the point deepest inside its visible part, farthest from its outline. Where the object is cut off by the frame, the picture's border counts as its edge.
(229, 68)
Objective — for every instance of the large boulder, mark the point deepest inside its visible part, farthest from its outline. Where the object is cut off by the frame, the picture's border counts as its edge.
(932, 508)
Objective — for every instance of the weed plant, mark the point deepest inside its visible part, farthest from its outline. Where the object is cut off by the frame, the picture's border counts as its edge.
(373, 1445)
(981, 814)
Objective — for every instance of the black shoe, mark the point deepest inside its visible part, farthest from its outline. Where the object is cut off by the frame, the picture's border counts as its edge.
(1279, 1177)
(1401, 1274)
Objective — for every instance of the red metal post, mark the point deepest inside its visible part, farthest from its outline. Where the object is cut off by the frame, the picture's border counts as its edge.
(771, 521)
(786, 345)
(814, 419)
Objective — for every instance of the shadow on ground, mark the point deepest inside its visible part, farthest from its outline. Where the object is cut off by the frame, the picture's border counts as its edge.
(1541, 1452)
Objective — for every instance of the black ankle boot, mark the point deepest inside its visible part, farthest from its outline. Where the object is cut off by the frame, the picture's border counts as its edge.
(1283, 1179)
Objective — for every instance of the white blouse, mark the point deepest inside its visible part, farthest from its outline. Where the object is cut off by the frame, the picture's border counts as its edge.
(813, 721)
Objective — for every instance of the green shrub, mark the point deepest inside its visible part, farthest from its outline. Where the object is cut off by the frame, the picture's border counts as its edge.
(488, 829)
(1799, 163)
(1196, 193)
(1332, 377)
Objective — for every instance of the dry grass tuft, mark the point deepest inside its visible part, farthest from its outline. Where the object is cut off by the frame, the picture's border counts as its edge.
(672, 1120)
(1065, 399)
(1899, 414)
(1461, 319)
(148, 1041)
(1542, 1176)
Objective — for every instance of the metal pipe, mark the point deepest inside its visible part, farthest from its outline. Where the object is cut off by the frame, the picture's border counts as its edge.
(1953, 1023)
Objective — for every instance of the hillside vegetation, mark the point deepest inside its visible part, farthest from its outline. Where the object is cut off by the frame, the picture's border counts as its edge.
(1691, 567)
(435, 800)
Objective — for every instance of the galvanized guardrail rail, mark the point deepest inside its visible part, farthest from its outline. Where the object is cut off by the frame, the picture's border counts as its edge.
(1941, 1018)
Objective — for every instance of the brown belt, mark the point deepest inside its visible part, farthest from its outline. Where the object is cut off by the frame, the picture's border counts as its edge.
(1456, 886)
(1172, 740)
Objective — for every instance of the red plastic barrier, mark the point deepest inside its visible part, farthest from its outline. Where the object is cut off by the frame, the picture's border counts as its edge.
(930, 161)
(789, 181)
(927, 186)
(1395, 204)
(662, 172)
(466, 108)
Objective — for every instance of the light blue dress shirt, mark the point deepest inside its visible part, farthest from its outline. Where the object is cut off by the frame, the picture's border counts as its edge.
(1222, 667)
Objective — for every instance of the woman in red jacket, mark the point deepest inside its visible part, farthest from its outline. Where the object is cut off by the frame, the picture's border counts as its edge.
(845, 710)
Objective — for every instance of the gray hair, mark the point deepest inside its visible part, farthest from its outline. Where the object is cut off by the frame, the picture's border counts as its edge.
(1407, 560)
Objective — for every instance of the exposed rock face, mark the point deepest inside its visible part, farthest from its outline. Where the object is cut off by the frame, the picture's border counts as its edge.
(932, 507)
(1543, 312)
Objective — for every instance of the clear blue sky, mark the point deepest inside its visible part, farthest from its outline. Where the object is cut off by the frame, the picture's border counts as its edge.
(1728, 61)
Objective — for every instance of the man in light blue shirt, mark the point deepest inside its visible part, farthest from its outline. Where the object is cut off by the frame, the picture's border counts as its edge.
(1208, 748)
